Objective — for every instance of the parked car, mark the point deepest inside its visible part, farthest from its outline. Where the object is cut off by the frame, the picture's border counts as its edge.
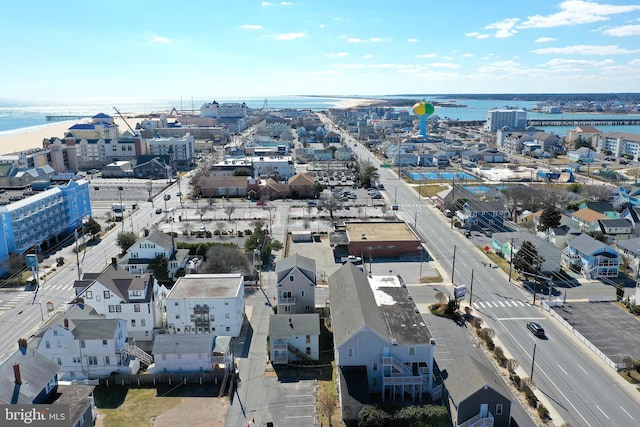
(158, 210)
(536, 329)
(351, 258)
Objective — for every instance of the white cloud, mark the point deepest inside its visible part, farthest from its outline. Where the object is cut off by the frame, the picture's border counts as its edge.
(444, 65)
(576, 12)
(158, 39)
(467, 55)
(289, 36)
(355, 40)
(427, 55)
(376, 40)
(251, 27)
(359, 40)
(282, 3)
(367, 56)
(413, 40)
(337, 54)
(624, 31)
(544, 40)
(478, 35)
(562, 63)
(504, 28)
(634, 62)
(582, 49)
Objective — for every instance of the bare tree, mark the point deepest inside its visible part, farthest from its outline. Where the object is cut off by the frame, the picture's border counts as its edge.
(202, 211)
(330, 203)
(596, 193)
(222, 259)
(326, 404)
(220, 226)
(186, 228)
(229, 210)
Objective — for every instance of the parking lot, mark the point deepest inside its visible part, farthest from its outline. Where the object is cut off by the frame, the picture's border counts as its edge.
(607, 326)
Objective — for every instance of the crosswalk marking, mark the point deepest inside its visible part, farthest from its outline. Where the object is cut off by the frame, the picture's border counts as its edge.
(499, 304)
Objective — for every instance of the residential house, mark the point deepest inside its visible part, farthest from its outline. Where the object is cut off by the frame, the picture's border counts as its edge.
(602, 207)
(582, 155)
(144, 250)
(548, 142)
(27, 377)
(632, 214)
(118, 169)
(86, 345)
(618, 229)
(591, 257)
(296, 285)
(446, 199)
(506, 243)
(79, 398)
(476, 394)
(117, 294)
(178, 353)
(629, 195)
(560, 235)
(630, 249)
(294, 338)
(153, 167)
(378, 328)
(587, 219)
(483, 215)
(206, 304)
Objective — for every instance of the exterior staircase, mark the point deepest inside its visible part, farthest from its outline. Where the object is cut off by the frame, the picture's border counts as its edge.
(134, 351)
(302, 356)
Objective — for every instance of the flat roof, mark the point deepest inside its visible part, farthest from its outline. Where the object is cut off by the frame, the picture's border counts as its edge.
(206, 286)
(379, 231)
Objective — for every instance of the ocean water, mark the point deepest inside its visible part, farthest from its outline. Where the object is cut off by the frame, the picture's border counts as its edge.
(16, 115)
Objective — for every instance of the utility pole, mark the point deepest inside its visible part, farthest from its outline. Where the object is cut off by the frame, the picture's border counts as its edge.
(453, 267)
(75, 234)
(510, 259)
(471, 290)
(533, 362)
(453, 201)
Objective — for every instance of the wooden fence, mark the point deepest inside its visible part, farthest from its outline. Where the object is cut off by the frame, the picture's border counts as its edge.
(164, 378)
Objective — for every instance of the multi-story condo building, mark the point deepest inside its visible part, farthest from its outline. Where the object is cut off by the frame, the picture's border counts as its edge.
(117, 294)
(296, 284)
(181, 150)
(223, 111)
(61, 158)
(281, 168)
(620, 143)
(37, 219)
(206, 304)
(102, 126)
(512, 118)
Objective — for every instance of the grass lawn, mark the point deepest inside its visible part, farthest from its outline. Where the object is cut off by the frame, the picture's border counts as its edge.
(135, 407)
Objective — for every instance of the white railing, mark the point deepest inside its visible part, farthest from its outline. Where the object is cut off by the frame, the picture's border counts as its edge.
(287, 301)
(402, 380)
(397, 364)
(479, 421)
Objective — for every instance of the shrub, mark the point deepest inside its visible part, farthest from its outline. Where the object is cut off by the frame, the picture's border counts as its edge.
(490, 344)
(516, 380)
(636, 365)
(477, 322)
(543, 412)
(531, 398)
(502, 359)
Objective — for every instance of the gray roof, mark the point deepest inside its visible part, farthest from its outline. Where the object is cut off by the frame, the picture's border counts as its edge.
(160, 239)
(290, 262)
(587, 244)
(93, 329)
(467, 375)
(549, 252)
(207, 286)
(479, 206)
(601, 207)
(615, 222)
(630, 245)
(78, 397)
(353, 306)
(120, 282)
(36, 372)
(283, 326)
(188, 343)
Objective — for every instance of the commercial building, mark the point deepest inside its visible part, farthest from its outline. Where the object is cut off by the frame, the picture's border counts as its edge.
(512, 118)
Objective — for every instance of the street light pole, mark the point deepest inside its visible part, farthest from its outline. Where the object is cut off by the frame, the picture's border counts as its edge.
(120, 189)
(421, 252)
(533, 362)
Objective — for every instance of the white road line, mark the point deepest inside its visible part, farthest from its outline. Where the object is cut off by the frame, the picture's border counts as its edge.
(508, 303)
(305, 416)
(583, 370)
(626, 412)
(565, 372)
(501, 304)
(602, 411)
(519, 318)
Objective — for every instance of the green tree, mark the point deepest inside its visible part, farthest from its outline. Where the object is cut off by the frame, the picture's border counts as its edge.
(550, 218)
(367, 174)
(372, 416)
(262, 242)
(242, 172)
(160, 267)
(126, 240)
(527, 259)
(92, 227)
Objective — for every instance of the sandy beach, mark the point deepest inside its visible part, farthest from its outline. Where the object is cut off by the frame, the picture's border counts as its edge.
(12, 142)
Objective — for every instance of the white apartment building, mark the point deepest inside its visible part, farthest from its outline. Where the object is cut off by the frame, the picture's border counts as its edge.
(179, 149)
(224, 110)
(512, 118)
(206, 304)
(620, 143)
(117, 294)
(282, 168)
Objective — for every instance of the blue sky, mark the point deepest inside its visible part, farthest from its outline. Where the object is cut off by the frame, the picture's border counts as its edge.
(242, 48)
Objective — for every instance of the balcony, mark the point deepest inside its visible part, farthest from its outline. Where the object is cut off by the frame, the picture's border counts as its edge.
(479, 421)
(286, 301)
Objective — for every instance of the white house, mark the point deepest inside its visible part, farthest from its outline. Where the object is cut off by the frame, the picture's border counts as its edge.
(294, 338)
(86, 345)
(379, 332)
(296, 284)
(190, 353)
(137, 259)
(117, 294)
(206, 304)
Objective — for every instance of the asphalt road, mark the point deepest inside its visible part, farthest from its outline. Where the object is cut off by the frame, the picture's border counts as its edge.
(580, 389)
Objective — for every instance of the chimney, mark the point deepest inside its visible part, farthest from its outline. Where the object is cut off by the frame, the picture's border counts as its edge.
(22, 343)
(16, 373)
(114, 262)
(66, 323)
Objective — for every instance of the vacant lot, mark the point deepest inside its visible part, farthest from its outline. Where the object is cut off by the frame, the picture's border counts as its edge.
(137, 407)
